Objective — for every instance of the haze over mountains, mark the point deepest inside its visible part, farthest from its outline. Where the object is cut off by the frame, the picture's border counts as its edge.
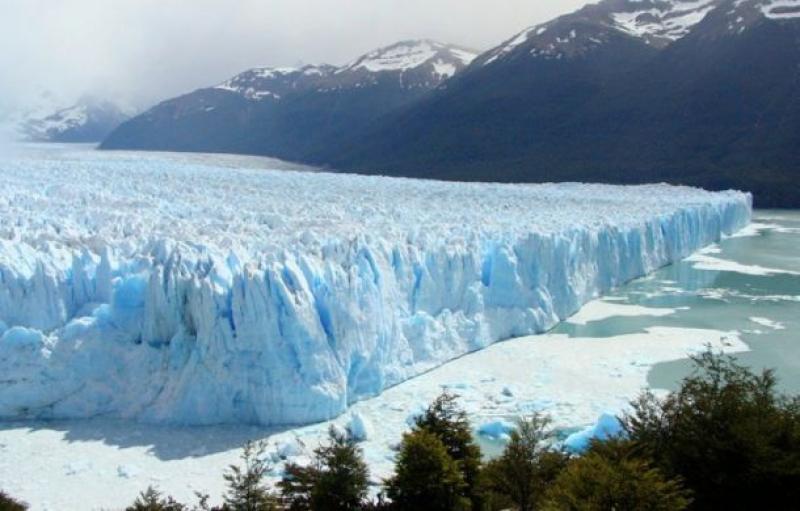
(88, 120)
(297, 114)
(700, 92)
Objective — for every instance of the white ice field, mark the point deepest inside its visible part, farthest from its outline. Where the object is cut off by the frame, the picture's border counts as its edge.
(190, 290)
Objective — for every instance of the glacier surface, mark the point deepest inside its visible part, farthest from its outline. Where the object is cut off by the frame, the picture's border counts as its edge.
(199, 290)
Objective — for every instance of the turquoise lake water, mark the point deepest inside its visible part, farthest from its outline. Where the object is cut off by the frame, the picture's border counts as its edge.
(751, 286)
(764, 285)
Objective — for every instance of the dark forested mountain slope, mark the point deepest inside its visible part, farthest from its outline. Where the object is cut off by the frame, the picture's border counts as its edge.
(700, 92)
(294, 113)
(582, 98)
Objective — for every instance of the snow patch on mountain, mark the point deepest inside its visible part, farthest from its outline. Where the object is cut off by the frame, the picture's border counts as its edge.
(667, 20)
(439, 61)
(271, 83)
(164, 289)
(60, 121)
(400, 57)
(781, 9)
(444, 68)
(408, 55)
(87, 120)
(512, 43)
(657, 22)
(249, 92)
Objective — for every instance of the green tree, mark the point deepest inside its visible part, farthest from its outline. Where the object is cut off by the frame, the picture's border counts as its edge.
(526, 467)
(610, 476)
(337, 479)
(445, 419)
(727, 433)
(246, 489)
(426, 476)
(9, 504)
(152, 500)
(297, 486)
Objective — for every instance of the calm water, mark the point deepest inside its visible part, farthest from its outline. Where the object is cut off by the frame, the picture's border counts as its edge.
(726, 300)
(719, 299)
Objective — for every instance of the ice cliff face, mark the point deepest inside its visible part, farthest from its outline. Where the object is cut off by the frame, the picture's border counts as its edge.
(186, 290)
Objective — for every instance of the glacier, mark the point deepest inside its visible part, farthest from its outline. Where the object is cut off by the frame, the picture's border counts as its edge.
(199, 289)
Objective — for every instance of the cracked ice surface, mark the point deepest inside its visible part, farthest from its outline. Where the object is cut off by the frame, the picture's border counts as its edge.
(195, 290)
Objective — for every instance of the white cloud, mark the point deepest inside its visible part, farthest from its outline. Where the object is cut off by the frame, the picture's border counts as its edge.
(146, 50)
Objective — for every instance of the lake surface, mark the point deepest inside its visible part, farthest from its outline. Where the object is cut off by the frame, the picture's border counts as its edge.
(748, 284)
(732, 298)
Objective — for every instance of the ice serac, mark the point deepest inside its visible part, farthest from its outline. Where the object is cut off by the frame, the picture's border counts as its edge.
(172, 289)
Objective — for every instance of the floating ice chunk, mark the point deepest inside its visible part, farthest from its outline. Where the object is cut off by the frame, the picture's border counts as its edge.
(338, 430)
(499, 429)
(701, 261)
(360, 428)
(289, 448)
(598, 310)
(607, 426)
(775, 325)
(417, 411)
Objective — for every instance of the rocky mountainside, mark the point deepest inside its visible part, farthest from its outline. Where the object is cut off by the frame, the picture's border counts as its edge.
(294, 113)
(701, 92)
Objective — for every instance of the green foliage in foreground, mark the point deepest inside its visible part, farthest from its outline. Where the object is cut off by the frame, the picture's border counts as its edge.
(611, 476)
(426, 476)
(337, 479)
(727, 433)
(246, 490)
(9, 504)
(521, 475)
(447, 421)
(153, 500)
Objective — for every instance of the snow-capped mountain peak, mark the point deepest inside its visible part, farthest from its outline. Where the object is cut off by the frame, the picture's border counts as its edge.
(64, 119)
(414, 64)
(564, 37)
(406, 55)
(660, 22)
(262, 83)
(657, 22)
(88, 120)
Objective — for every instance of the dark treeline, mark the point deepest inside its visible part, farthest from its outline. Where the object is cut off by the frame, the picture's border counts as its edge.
(724, 440)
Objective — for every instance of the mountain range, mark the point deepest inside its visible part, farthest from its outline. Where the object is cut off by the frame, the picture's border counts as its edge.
(699, 92)
(295, 114)
(90, 119)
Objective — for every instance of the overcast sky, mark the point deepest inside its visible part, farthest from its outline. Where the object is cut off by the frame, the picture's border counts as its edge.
(146, 50)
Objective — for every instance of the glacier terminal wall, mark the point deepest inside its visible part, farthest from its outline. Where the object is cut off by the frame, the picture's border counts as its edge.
(196, 290)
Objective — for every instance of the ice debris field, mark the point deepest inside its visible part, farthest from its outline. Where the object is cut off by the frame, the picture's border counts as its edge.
(166, 290)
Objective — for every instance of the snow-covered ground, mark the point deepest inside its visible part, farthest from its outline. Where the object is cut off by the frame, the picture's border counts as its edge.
(172, 290)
